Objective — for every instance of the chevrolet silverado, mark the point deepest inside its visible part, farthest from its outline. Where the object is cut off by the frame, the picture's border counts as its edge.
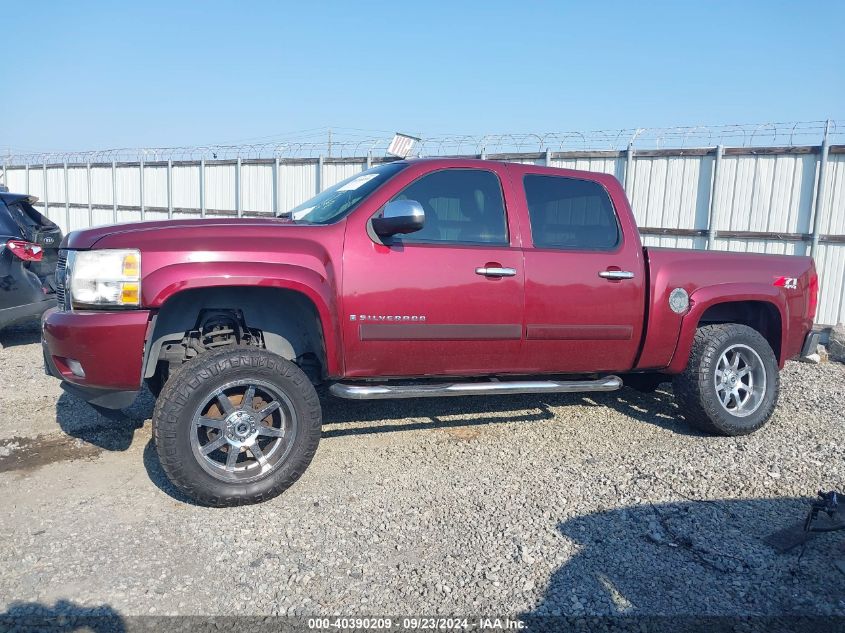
(417, 278)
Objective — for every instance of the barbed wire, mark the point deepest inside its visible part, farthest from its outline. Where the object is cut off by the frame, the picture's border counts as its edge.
(352, 143)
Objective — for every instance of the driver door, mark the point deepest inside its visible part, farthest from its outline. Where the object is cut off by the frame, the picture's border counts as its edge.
(428, 303)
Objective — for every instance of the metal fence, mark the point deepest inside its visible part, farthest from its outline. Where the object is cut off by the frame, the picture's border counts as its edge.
(787, 198)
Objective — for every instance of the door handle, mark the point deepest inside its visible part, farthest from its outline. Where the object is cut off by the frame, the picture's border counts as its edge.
(495, 271)
(616, 274)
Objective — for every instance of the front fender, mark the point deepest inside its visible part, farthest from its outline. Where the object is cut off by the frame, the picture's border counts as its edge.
(165, 282)
(707, 296)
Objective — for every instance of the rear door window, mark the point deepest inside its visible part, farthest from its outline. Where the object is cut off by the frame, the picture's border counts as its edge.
(570, 214)
(8, 226)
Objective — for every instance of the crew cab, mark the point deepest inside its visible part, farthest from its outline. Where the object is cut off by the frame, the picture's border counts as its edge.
(416, 278)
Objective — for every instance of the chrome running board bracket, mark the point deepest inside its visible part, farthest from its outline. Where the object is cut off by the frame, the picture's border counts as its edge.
(422, 390)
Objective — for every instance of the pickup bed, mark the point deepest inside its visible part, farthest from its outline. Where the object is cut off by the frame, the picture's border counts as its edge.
(418, 278)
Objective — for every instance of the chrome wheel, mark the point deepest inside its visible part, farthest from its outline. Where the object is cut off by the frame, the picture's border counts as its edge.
(740, 380)
(243, 431)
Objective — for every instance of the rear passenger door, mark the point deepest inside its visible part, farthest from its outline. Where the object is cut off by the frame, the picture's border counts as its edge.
(584, 282)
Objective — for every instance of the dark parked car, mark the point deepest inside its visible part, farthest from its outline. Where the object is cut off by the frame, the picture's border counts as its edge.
(29, 246)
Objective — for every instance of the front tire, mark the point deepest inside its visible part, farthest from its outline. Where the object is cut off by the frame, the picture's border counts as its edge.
(236, 426)
(731, 383)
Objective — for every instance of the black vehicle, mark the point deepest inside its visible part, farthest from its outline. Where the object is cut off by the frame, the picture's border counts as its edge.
(29, 248)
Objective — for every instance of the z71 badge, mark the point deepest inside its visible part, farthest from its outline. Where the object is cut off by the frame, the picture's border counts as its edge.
(790, 283)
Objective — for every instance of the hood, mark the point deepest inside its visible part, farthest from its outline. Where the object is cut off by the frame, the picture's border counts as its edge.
(144, 231)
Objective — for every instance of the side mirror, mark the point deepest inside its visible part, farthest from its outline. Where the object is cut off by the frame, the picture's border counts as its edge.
(400, 216)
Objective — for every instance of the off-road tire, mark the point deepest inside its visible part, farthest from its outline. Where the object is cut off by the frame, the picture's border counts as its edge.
(695, 388)
(195, 381)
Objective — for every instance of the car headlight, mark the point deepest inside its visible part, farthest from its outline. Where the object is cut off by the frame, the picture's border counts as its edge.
(104, 278)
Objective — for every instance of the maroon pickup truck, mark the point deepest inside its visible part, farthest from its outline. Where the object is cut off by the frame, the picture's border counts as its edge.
(505, 278)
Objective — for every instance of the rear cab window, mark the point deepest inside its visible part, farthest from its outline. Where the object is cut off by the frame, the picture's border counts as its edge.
(570, 213)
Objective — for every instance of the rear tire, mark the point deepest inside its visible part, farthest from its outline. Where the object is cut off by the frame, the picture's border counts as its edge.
(731, 383)
(222, 450)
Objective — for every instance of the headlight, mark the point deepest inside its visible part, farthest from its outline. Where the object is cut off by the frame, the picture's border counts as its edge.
(104, 278)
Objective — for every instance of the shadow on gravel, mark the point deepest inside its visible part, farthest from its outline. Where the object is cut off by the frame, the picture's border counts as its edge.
(108, 430)
(657, 408)
(63, 616)
(388, 416)
(691, 560)
(157, 476)
(23, 333)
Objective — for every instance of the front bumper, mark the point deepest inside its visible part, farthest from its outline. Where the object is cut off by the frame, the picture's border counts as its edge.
(108, 346)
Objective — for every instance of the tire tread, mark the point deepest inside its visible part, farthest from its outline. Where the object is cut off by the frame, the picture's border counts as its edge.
(175, 395)
(693, 389)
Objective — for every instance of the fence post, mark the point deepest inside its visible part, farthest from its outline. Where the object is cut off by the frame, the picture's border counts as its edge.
(238, 187)
(548, 157)
(714, 192)
(141, 190)
(90, 205)
(169, 188)
(820, 192)
(202, 187)
(369, 158)
(320, 173)
(46, 191)
(629, 170)
(276, 186)
(26, 172)
(5, 176)
(67, 202)
(114, 191)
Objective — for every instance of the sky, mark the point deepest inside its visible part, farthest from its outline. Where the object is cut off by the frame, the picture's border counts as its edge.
(94, 75)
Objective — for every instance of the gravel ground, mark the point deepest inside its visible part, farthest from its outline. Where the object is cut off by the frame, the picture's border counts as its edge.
(564, 504)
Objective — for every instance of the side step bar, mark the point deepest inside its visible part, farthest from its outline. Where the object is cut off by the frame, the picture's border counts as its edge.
(385, 392)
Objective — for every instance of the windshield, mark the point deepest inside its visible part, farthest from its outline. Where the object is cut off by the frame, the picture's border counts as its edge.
(335, 202)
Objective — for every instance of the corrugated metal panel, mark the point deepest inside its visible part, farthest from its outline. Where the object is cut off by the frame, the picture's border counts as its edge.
(830, 258)
(220, 187)
(16, 180)
(36, 183)
(101, 185)
(830, 262)
(186, 186)
(155, 186)
(103, 215)
(766, 193)
(671, 241)
(611, 165)
(671, 192)
(299, 182)
(772, 247)
(333, 173)
(257, 188)
(56, 184)
(128, 186)
(77, 185)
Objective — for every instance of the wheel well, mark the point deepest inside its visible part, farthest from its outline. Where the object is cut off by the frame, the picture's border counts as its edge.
(760, 315)
(282, 321)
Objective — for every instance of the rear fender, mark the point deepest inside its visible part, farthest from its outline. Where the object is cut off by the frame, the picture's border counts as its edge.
(708, 296)
(165, 282)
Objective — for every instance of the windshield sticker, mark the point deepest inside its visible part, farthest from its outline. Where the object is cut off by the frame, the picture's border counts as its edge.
(298, 215)
(352, 185)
